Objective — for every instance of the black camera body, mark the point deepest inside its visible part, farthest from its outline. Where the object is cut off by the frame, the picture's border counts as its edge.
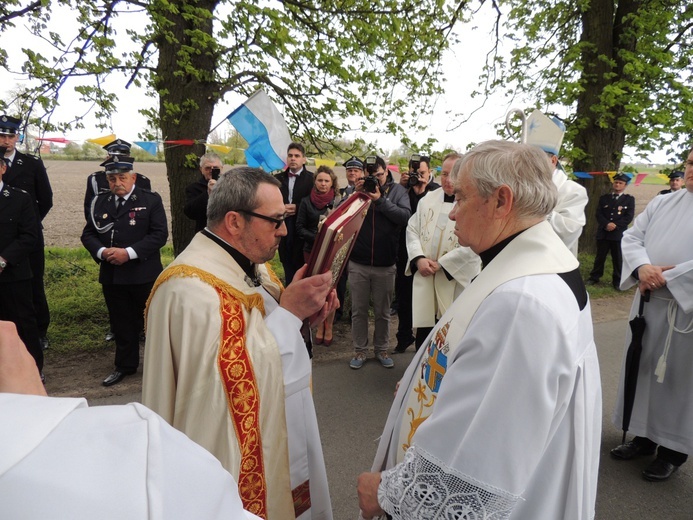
(414, 165)
(215, 173)
(370, 182)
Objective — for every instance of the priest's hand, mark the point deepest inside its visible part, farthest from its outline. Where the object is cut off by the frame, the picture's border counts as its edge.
(306, 297)
(651, 277)
(367, 488)
(426, 266)
(18, 372)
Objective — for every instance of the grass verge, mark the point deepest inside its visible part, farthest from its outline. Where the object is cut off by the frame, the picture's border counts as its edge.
(79, 319)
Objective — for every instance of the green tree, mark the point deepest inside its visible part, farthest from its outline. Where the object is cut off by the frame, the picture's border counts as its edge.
(622, 68)
(324, 62)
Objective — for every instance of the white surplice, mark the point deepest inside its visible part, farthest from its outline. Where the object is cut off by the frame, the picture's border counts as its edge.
(499, 413)
(431, 233)
(182, 376)
(568, 217)
(663, 235)
(61, 459)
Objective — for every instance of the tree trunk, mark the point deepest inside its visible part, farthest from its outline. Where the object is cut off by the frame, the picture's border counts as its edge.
(185, 83)
(601, 137)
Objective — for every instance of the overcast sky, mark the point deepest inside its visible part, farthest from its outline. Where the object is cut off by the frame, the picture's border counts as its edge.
(462, 65)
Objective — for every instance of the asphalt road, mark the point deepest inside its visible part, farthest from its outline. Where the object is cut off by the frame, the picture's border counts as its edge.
(352, 406)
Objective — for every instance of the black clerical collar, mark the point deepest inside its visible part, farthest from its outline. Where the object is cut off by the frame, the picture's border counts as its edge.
(448, 198)
(245, 264)
(492, 252)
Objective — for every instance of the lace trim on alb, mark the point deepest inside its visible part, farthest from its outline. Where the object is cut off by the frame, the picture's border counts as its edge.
(424, 487)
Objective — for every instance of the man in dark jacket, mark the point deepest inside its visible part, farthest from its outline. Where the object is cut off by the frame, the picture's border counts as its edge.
(614, 212)
(18, 239)
(28, 173)
(126, 229)
(418, 181)
(296, 183)
(97, 183)
(372, 262)
(197, 193)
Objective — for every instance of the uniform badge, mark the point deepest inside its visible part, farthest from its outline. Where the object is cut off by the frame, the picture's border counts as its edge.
(6, 193)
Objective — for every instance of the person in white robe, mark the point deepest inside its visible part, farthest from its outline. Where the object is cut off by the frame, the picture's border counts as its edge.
(225, 361)
(440, 266)
(499, 414)
(658, 257)
(108, 462)
(568, 216)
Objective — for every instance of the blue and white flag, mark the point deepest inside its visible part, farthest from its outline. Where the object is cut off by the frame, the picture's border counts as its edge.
(261, 124)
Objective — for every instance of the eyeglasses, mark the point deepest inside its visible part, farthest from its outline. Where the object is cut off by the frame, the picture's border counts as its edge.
(277, 221)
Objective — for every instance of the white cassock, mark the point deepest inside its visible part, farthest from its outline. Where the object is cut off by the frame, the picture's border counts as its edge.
(663, 235)
(499, 413)
(431, 233)
(228, 367)
(61, 459)
(568, 217)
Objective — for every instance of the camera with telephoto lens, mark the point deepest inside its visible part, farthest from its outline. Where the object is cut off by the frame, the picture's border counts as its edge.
(215, 173)
(414, 165)
(370, 182)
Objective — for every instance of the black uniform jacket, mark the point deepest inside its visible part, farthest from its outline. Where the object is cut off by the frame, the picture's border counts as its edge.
(97, 183)
(620, 211)
(18, 233)
(29, 174)
(140, 224)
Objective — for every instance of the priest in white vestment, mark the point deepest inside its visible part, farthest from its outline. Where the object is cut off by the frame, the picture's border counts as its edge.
(658, 257)
(440, 266)
(225, 361)
(499, 414)
(61, 459)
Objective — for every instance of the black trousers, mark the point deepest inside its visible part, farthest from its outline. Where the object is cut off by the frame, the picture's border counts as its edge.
(17, 306)
(603, 248)
(126, 313)
(667, 454)
(37, 261)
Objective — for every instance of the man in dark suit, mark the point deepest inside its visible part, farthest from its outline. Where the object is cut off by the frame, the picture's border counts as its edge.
(197, 193)
(614, 212)
(18, 239)
(28, 173)
(97, 183)
(126, 229)
(675, 182)
(296, 183)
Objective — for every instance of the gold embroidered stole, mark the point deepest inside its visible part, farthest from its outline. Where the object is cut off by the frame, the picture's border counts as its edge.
(538, 250)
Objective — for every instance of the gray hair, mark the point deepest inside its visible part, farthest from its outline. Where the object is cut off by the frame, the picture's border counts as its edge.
(236, 190)
(525, 169)
(209, 157)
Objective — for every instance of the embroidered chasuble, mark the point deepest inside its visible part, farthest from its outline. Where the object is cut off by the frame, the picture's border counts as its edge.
(215, 371)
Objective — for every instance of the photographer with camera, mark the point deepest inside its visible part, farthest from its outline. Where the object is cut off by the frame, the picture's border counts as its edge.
(418, 182)
(372, 262)
(197, 193)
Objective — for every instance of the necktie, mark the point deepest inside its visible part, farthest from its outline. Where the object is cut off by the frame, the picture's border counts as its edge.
(121, 203)
(292, 174)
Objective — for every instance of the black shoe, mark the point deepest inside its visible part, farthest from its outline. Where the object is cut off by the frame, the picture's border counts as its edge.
(400, 349)
(591, 282)
(631, 450)
(616, 286)
(115, 377)
(659, 471)
(109, 336)
(44, 343)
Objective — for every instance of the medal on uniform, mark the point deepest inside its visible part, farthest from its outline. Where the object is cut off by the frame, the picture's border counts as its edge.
(132, 218)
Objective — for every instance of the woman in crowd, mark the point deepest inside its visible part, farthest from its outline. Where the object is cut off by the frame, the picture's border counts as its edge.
(311, 212)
